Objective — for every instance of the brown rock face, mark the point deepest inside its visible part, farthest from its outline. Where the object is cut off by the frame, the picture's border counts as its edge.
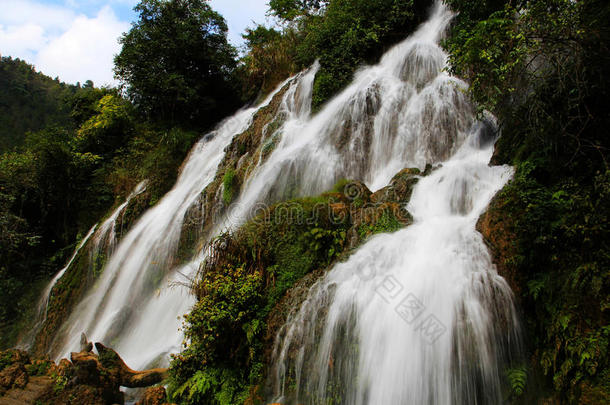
(88, 379)
(16, 386)
(89, 371)
(154, 396)
(14, 376)
(497, 231)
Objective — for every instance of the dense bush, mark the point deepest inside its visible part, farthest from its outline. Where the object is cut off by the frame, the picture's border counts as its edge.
(341, 34)
(246, 274)
(64, 178)
(29, 101)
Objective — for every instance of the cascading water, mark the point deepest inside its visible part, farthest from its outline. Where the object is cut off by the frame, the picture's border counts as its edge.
(403, 112)
(348, 340)
(419, 316)
(132, 305)
(43, 304)
(105, 238)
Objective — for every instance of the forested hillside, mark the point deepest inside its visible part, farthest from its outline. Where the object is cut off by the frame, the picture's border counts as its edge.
(29, 101)
(72, 153)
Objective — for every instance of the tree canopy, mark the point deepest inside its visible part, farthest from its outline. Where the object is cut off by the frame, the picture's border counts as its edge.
(176, 63)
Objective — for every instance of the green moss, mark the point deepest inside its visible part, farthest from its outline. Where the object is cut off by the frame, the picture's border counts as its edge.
(109, 359)
(229, 184)
(253, 269)
(6, 359)
(386, 223)
(38, 369)
(247, 274)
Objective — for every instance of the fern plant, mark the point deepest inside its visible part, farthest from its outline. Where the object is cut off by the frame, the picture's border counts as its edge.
(517, 378)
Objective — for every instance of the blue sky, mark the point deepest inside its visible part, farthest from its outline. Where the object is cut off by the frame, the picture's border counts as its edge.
(76, 40)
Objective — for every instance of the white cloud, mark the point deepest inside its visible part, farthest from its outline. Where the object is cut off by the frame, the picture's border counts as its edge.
(22, 41)
(60, 42)
(240, 15)
(85, 51)
(77, 39)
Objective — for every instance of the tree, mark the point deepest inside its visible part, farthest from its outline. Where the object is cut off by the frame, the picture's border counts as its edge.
(176, 63)
(292, 9)
(270, 59)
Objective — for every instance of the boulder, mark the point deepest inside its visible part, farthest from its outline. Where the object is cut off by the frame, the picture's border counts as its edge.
(400, 188)
(153, 396)
(85, 345)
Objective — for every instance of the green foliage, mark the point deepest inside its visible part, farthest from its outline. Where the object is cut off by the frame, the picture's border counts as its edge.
(107, 128)
(562, 231)
(330, 240)
(60, 383)
(229, 186)
(210, 387)
(270, 59)
(351, 33)
(342, 34)
(517, 378)
(39, 368)
(229, 300)
(495, 52)
(386, 223)
(6, 358)
(65, 177)
(291, 9)
(247, 274)
(176, 63)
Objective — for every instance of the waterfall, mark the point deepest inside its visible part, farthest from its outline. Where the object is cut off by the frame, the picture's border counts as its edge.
(105, 238)
(42, 307)
(417, 316)
(403, 112)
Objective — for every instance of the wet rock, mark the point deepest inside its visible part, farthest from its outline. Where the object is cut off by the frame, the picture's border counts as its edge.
(128, 377)
(85, 345)
(15, 356)
(154, 396)
(497, 229)
(400, 188)
(36, 388)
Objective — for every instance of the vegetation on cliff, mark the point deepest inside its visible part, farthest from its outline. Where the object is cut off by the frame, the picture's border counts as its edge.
(70, 152)
(341, 34)
(176, 63)
(542, 68)
(241, 288)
